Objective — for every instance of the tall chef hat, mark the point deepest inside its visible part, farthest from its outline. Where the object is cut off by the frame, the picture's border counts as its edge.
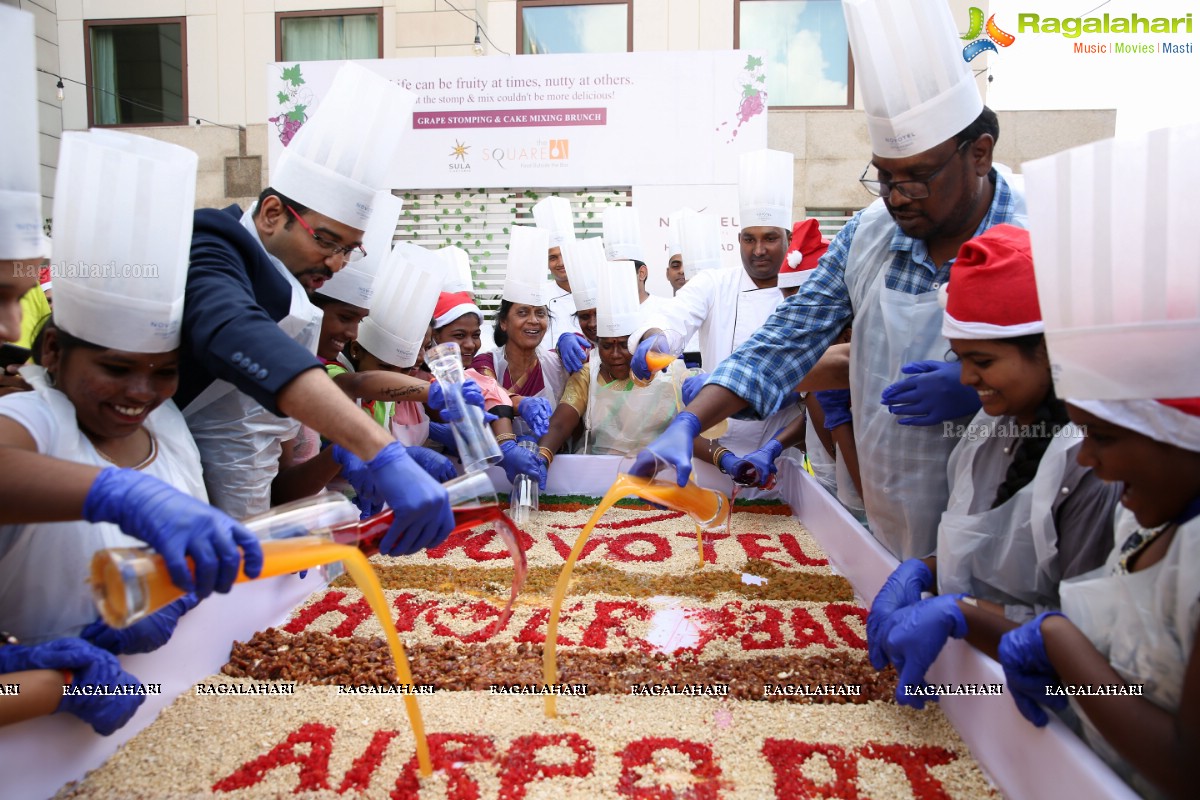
(406, 291)
(20, 168)
(765, 188)
(584, 260)
(333, 163)
(353, 283)
(123, 208)
(619, 311)
(622, 234)
(917, 89)
(457, 267)
(674, 242)
(700, 240)
(805, 249)
(553, 215)
(1117, 258)
(993, 294)
(525, 278)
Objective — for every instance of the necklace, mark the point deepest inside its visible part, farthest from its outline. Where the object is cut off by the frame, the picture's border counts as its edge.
(147, 461)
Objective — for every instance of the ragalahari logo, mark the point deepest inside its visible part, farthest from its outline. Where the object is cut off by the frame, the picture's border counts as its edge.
(977, 46)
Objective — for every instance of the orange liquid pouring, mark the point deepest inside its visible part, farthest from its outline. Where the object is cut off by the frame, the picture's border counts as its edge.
(657, 361)
(708, 509)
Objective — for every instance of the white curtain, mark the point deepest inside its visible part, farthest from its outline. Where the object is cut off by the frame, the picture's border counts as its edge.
(104, 78)
(330, 38)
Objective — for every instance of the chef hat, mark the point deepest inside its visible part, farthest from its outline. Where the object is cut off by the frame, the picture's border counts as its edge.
(457, 270)
(1117, 257)
(917, 90)
(584, 260)
(553, 215)
(1174, 422)
(765, 188)
(700, 240)
(805, 249)
(406, 292)
(123, 209)
(334, 162)
(20, 167)
(619, 310)
(525, 278)
(353, 282)
(674, 242)
(622, 234)
(993, 294)
(452, 305)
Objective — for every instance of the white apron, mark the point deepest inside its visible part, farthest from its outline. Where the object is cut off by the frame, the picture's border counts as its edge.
(1007, 554)
(1143, 622)
(44, 566)
(620, 423)
(553, 376)
(240, 441)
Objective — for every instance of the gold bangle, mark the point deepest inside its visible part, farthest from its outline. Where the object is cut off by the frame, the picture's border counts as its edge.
(717, 454)
(506, 437)
(545, 453)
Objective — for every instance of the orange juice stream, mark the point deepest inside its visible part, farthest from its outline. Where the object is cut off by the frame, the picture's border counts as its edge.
(699, 504)
(284, 556)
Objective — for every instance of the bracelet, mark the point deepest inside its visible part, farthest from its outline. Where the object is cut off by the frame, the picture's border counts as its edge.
(506, 437)
(717, 455)
(545, 453)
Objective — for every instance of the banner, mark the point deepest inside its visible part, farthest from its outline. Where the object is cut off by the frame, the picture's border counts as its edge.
(555, 120)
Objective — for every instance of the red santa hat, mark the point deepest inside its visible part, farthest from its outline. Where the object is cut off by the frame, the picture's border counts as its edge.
(805, 249)
(44, 279)
(452, 305)
(1174, 422)
(992, 292)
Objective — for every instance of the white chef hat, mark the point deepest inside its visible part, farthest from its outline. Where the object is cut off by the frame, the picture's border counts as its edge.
(674, 246)
(406, 292)
(456, 266)
(553, 215)
(1116, 252)
(765, 188)
(123, 209)
(622, 234)
(618, 312)
(20, 167)
(353, 283)
(917, 90)
(333, 164)
(700, 238)
(525, 276)
(584, 260)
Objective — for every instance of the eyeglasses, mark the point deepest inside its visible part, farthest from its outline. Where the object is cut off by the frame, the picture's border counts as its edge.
(913, 190)
(348, 254)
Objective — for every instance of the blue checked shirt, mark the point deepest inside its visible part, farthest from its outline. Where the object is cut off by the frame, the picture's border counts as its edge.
(768, 365)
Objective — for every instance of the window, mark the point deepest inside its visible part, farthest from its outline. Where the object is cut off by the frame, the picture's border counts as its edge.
(806, 49)
(136, 71)
(321, 36)
(585, 26)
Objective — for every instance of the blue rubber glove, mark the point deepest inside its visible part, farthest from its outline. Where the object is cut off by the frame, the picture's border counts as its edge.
(573, 350)
(471, 393)
(142, 636)
(932, 395)
(902, 588)
(436, 464)
(355, 471)
(519, 461)
(638, 365)
(423, 517)
(730, 463)
(178, 526)
(440, 432)
(763, 460)
(692, 386)
(90, 666)
(673, 446)
(916, 636)
(836, 405)
(1028, 670)
(536, 413)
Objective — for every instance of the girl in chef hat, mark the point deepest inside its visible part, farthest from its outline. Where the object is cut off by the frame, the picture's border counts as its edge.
(1022, 515)
(101, 399)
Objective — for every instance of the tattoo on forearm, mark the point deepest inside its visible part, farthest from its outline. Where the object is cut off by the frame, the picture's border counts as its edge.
(402, 391)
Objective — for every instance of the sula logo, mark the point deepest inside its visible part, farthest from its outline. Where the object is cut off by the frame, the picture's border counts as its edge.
(995, 36)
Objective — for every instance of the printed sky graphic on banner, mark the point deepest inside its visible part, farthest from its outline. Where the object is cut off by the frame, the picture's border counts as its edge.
(555, 120)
